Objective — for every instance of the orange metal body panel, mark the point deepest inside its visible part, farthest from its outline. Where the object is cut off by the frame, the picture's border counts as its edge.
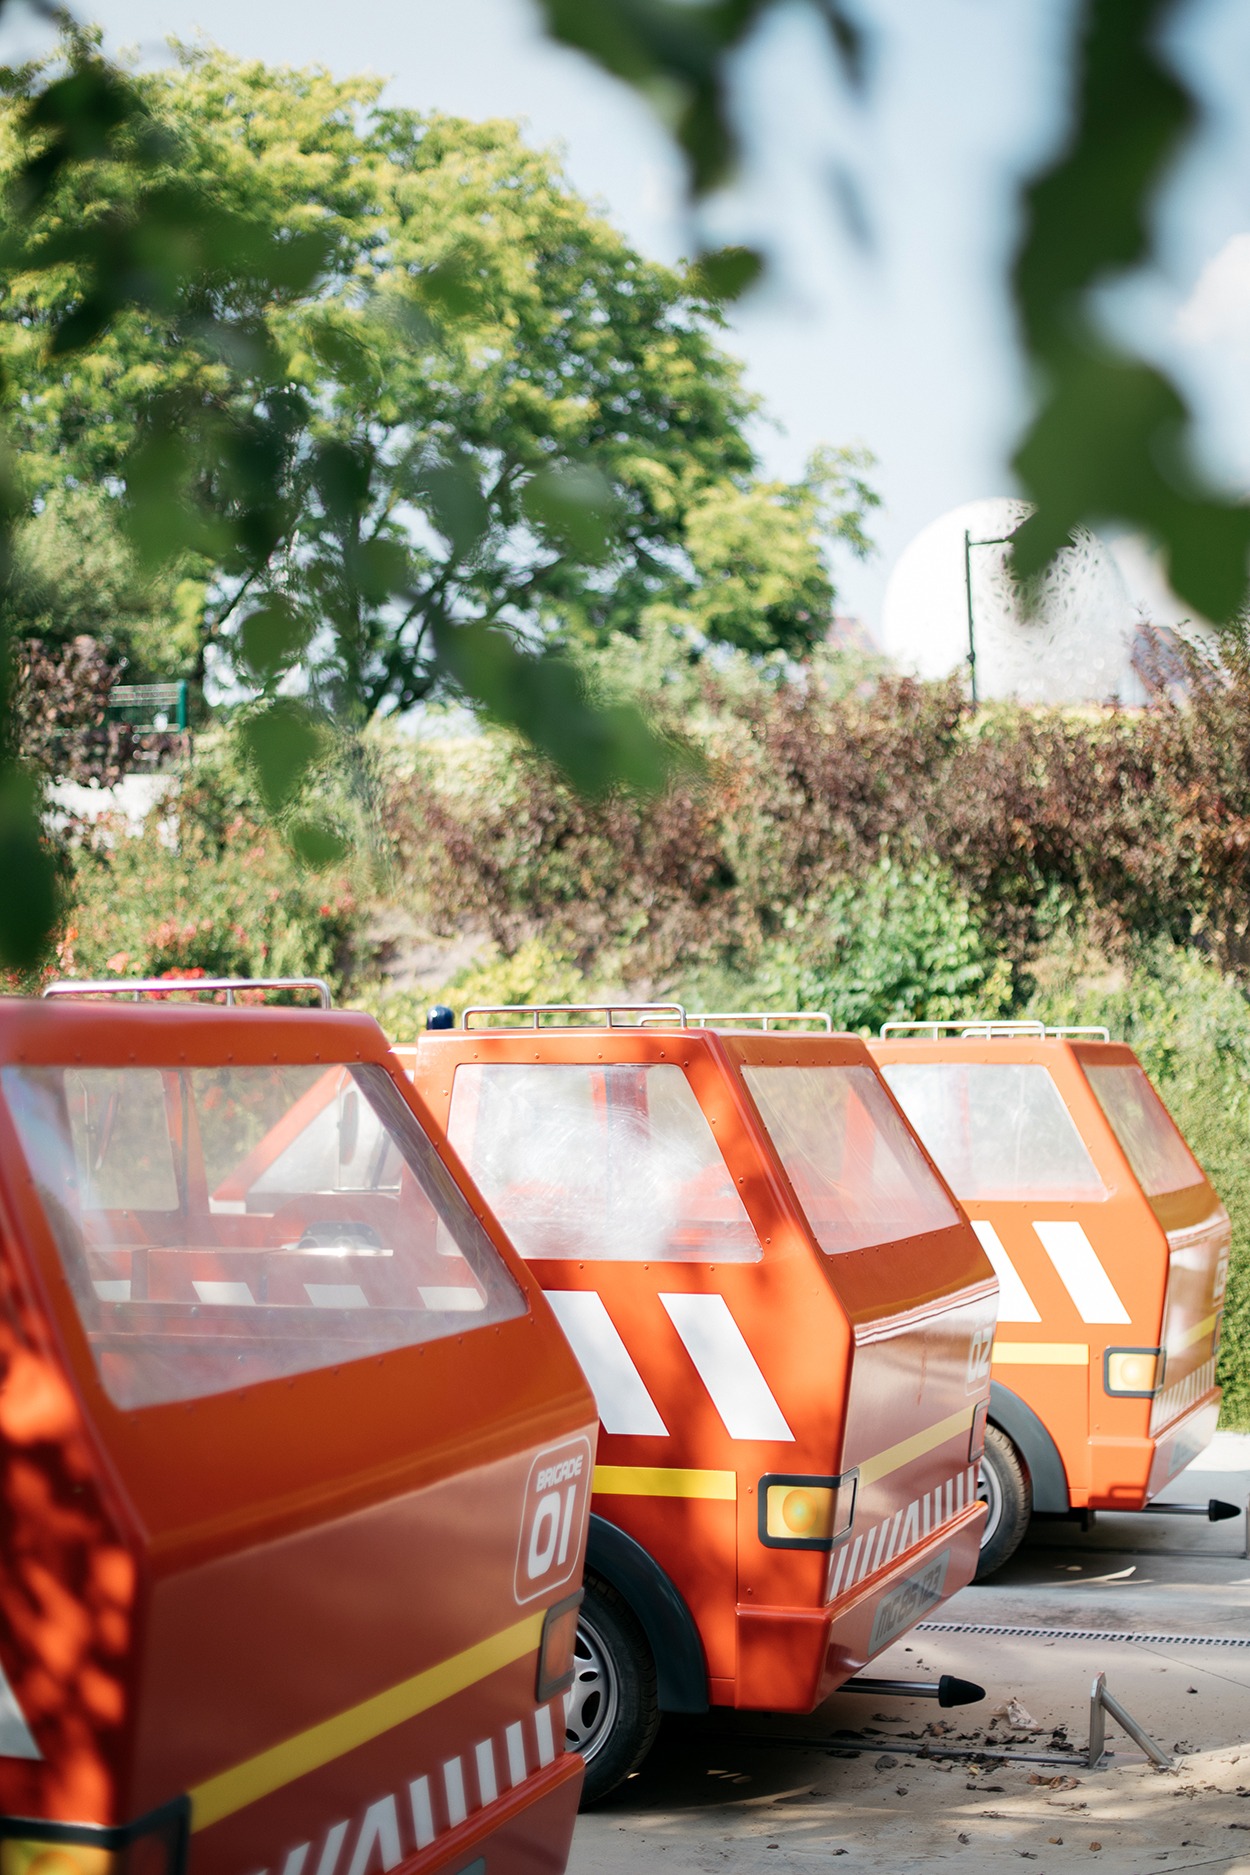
(877, 1359)
(1165, 1258)
(294, 1600)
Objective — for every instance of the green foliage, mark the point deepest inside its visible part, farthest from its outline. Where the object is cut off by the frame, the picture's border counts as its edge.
(896, 941)
(204, 887)
(1110, 436)
(384, 407)
(479, 408)
(534, 973)
(1190, 1027)
(73, 572)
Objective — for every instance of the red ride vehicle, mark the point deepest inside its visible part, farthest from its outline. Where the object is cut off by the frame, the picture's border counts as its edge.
(786, 1320)
(294, 1464)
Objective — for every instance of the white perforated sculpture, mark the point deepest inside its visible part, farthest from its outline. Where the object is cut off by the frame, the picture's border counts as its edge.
(1071, 644)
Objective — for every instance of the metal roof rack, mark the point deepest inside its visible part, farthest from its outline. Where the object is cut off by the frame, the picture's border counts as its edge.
(990, 1028)
(135, 987)
(765, 1016)
(640, 1012)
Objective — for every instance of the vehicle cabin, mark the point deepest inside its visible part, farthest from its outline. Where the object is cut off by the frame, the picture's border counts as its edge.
(296, 1464)
(786, 1321)
(1111, 1251)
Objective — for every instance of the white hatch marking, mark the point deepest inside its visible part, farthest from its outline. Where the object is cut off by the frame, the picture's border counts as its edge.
(458, 1300)
(487, 1784)
(1015, 1304)
(516, 1754)
(230, 1295)
(422, 1812)
(453, 1784)
(1082, 1275)
(336, 1295)
(624, 1404)
(16, 1740)
(726, 1366)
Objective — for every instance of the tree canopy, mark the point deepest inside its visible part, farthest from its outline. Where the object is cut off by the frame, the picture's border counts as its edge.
(483, 407)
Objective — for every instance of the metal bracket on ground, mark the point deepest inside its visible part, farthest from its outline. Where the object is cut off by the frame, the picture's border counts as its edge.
(1102, 1703)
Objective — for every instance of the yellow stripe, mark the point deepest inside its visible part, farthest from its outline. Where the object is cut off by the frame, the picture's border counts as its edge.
(906, 1450)
(1041, 1353)
(659, 1481)
(1198, 1332)
(269, 1770)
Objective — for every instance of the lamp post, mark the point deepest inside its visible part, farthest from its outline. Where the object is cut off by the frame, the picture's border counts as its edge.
(994, 540)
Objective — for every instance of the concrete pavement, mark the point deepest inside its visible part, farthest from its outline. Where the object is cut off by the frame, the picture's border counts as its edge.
(741, 1793)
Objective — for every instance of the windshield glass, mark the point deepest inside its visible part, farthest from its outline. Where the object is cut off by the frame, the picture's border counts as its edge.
(995, 1129)
(1160, 1159)
(613, 1162)
(223, 1226)
(855, 1168)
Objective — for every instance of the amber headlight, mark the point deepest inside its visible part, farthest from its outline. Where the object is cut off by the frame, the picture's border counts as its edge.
(1133, 1373)
(798, 1512)
(555, 1651)
(155, 1844)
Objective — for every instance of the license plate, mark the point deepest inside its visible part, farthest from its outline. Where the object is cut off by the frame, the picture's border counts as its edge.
(907, 1601)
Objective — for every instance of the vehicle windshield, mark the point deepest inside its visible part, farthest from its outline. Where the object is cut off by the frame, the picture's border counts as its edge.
(1160, 1159)
(855, 1168)
(996, 1130)
(227, 1225)
(614, 1162)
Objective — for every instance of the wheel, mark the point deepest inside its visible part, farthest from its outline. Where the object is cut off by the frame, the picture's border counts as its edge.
(1005, 1490)
(610, 1712)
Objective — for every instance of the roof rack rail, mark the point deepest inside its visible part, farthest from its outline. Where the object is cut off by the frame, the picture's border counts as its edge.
(765, 1016)
(641, 1012)
(988, 1028)
(135, 987)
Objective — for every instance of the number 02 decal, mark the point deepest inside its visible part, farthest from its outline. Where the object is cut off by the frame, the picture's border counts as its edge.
(553, 1520)
(980, 1354)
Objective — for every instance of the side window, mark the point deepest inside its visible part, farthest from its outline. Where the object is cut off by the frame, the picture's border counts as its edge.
(614, 1162)
(995, 1129)
(856, 1170)
(225, 1226)
(1152, 1145)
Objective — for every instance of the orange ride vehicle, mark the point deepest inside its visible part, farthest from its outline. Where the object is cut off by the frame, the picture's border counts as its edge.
(1111, 1251)
(295, 1464)
(786, 1321)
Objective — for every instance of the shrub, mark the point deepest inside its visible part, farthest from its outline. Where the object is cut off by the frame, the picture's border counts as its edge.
(534, 973)
(204, 887)
(897, 941)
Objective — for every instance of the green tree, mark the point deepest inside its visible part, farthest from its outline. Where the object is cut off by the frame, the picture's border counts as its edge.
(72, 571)
(485, 409)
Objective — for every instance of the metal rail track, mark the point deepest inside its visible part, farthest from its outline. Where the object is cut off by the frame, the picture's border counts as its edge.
(1082, 1634)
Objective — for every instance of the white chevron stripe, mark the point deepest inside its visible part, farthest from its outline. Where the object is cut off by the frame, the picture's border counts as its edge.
(1082, 1275)
(726, 1366)
(624, 1404)
(1015, 1304)
(16, 1740)
(422, 1812)
(453, 1784)
(487, 1783)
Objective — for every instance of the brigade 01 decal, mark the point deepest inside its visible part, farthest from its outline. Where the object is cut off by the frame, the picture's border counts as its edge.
(904, 1605)
(557, 1499)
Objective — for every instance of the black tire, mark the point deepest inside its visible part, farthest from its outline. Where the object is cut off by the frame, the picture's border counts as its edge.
(1005, 1488)
(610, 1713)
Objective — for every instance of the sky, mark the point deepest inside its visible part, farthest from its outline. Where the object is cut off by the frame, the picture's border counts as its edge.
(902, 340)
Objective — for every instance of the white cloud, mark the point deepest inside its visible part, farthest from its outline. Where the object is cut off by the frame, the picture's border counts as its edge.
(1218, 309)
